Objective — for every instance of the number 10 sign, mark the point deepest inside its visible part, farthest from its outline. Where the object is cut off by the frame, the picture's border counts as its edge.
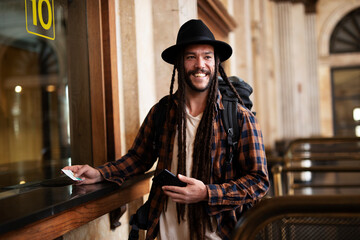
(39, 15)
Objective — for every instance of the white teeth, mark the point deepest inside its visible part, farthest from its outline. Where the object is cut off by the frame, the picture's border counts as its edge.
(199, 74)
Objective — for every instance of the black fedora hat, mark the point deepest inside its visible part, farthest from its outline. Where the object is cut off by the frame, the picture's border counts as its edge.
(196, 32)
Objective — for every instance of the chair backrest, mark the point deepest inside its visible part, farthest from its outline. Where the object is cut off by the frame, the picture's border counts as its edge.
(317, 180)
(319, 166)
(301, 218)
(323, 149)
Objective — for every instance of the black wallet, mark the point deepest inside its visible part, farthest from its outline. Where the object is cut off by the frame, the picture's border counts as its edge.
(166, 178)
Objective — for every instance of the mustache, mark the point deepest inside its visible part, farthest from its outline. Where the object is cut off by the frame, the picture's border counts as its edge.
(198, 71)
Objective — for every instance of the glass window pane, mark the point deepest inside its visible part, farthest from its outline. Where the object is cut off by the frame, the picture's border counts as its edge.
(346, 99)
(34, 98)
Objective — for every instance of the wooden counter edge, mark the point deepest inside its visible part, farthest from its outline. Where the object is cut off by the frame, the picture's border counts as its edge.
(59, 224)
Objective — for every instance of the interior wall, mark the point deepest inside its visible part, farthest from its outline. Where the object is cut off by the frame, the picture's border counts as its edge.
(168, 16)
(100, 229)
(241, 60)
(329, 13)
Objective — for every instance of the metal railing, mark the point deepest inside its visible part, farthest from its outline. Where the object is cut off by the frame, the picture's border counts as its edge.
(301, 218)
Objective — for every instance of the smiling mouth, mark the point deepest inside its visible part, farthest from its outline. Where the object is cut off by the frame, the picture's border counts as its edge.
(199, 74)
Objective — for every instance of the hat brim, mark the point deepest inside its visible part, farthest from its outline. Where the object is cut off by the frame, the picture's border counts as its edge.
(222, 49)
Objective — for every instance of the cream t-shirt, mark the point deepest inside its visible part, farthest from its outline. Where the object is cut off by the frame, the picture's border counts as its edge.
(169, 227)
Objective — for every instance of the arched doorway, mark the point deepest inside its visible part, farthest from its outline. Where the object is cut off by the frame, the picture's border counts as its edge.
(345, 80)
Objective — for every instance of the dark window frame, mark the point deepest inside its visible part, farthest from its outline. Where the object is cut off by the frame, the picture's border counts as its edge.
(99, 138)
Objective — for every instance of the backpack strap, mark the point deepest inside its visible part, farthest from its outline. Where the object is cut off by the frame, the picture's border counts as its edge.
(229, 114)
(231, 125)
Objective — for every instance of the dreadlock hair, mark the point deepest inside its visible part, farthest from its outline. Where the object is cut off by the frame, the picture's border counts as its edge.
(225, 78)
(201, 168)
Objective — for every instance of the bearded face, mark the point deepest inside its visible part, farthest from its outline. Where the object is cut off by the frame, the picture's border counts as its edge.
(199, 63)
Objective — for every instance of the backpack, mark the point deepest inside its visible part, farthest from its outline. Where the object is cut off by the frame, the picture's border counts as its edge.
(229, 118)
(229, 115)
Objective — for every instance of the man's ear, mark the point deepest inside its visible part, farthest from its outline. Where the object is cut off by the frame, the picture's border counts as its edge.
(217, 60)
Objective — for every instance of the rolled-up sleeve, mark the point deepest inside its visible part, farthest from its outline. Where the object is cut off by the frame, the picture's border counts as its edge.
(139, 158)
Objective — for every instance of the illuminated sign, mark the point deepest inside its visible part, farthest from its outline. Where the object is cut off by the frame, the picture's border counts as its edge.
(40, 18)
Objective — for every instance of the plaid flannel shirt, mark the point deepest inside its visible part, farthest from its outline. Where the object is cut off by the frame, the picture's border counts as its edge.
(232, 187)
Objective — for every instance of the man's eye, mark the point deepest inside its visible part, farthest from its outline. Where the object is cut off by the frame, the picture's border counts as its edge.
(190, 57)
(208, 57)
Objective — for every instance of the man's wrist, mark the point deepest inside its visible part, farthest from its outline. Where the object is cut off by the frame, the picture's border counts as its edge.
(206, 194)
(100, 177)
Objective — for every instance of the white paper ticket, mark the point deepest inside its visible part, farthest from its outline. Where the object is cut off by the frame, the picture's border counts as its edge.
(70, 174)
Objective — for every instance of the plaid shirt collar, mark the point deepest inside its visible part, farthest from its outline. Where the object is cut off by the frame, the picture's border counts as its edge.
(219, 104)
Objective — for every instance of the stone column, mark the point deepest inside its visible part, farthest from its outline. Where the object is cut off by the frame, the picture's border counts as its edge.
(285, 69)
(145, 56)
(297, 67)
(300, 66)
(129, 71)
(129, 85)
(292, 67)
(312, 64)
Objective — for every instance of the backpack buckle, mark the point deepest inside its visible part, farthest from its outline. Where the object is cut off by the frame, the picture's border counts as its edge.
(230, 145)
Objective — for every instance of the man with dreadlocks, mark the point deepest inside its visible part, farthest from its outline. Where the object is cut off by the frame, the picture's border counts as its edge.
(193, 145)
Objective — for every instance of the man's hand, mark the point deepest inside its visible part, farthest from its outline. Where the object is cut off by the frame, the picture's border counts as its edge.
(194, 192)
(88, 174)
